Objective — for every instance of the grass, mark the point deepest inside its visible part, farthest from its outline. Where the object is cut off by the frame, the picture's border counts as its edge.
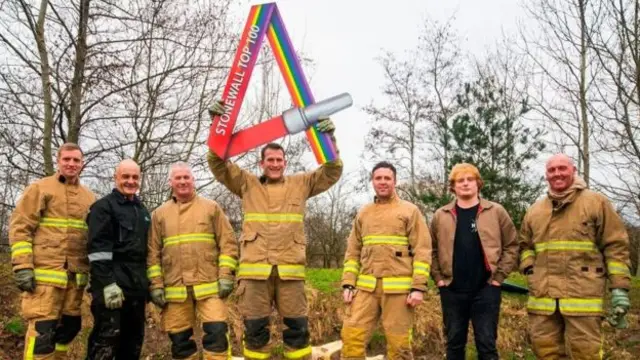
(324, 280)
(16, 326)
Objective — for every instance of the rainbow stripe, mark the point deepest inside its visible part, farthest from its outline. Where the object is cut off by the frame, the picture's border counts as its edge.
(321, 144)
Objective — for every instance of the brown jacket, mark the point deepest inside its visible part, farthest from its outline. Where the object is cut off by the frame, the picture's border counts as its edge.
(190, 244)
(389, 241)
(273, 228)
(572, 250)
(48, 232)
(497, 237)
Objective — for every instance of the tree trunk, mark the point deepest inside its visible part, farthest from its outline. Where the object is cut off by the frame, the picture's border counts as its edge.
(45, 75)
(583, 93)
(78, 74)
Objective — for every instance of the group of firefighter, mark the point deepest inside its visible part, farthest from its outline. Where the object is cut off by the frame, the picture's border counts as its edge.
(184, 257)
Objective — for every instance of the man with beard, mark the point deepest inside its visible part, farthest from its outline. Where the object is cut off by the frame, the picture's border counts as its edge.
(571, 242)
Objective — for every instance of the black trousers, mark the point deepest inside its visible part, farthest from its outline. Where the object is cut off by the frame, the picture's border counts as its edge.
(482, 307)
(117, 334)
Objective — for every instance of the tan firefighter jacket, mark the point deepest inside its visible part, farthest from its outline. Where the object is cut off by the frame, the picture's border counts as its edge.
(48, 232)
(572, 250)
(190, 244)
(273, 227)
(389, 242)
(498, 238)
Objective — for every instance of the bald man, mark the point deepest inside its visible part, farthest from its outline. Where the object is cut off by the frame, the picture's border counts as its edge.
(118, 227)
(571, 243)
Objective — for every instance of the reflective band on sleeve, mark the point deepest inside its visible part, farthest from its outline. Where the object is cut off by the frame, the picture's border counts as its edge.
(366, 281)
(385, 240)
(103, 255)
(176, 293)
(154, 271)
(566, 245)
(63, 223)
(396, 284)
(188, 238)
(541, 304)
(51, 276)
(527, 254)
(351, 266)
(204, 290)
(62, 347)
(568, 306)
(263, 217)
(227, 261)
(21, 248)
(421, 268)
(618, 268)
(297, 354)
(254, 270)
(82, 279)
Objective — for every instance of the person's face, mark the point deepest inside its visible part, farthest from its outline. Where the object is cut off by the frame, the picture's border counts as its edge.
(273, 164)
(182, 183)
(70, 163)
(559, 174)
(128, 179)
(465, 186)
(384, 182)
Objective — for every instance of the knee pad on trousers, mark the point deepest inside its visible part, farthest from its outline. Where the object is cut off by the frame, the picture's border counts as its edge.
(181, 344)
(256, 332)
(68, 328)
(45, 343)
(297, 334)
(215, 336)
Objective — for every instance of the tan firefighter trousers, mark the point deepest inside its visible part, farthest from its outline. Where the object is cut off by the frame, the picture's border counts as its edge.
(554, 336)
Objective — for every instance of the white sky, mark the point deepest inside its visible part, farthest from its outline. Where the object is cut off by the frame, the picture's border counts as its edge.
(344, 38)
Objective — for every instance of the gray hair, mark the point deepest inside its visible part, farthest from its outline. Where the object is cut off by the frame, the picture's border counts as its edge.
(179, 166)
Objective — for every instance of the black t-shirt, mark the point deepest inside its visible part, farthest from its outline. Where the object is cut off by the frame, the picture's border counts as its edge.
(469, 270)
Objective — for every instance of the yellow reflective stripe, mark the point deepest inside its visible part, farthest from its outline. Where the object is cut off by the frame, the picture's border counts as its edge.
(63, 223)
(28, 354)
(618, 268)
(385, 240)
(176, 293)
(421, 268)
(263, 217)
(581, 305)
(565, 245)
(526, 254)
(82, 279)
(205, 289)
(351, 266)
(253, 354)
(297, 354)
(227, 261)
(366, 281)
(542, 304)
(254, 270)
(62, 347)
(154, 271)
(291, 271)
(21, 248)
(188, 238)
(51, 276)
(396, 283)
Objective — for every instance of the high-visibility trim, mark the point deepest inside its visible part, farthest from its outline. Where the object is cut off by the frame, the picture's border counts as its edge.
(102, 255)
(227, 261)
(255, 270)
(541, 304)
(385, 240)
(204, 290)
(366, 281)
(351, 266)
(421, 268)
(21, 248)
(253, 354)
(565, 245)
(264, 217)
(296, 271)
(396, 284)
(63, 223)
(154, 271)
(593, 305)
(188, 238)
(527, 254)
(618, 268)
(82, 279)
(297, 354)
(51, 276)
(176, 293)
(31, 346)
(62, 347)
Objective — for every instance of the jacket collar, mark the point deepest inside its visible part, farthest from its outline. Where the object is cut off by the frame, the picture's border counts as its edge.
(193, 196)
(122, 199)
(393, 199)
(484, 204)
(63, 180)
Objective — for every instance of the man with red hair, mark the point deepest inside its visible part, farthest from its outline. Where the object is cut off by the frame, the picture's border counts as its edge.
(474, 250)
